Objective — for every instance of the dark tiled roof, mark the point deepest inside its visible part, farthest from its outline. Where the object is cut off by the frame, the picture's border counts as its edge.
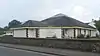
(57, 20)
(63, 20)
(33, 23)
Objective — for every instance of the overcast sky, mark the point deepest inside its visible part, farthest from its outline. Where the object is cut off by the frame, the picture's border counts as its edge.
(22, 10)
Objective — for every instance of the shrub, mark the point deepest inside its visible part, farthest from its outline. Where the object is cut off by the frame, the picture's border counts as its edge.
(80, 36)
(97, 35)
(54, 36)
(88, 36)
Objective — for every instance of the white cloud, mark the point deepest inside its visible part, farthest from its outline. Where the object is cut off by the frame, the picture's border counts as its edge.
(84, 10)
(81, 13)
(3, 3)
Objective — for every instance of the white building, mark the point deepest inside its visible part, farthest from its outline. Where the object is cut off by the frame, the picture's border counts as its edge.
(10, 32)
(93, 25)
(59, 25)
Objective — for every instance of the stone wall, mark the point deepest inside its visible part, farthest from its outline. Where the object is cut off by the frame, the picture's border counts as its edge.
(76, 44)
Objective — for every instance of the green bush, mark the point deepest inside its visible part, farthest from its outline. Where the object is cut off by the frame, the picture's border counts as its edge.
(81, 36)
(54, 36)
(88, 36)
(2, 32)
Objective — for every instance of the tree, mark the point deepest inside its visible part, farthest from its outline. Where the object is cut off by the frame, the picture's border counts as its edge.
(14, 23)
(1, 31)
(97, 24)
(6, 28)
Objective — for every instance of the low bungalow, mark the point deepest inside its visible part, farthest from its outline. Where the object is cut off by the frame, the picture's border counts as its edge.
(60, 26)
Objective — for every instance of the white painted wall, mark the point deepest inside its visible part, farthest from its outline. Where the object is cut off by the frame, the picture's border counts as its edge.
(93, 33)
(20, 33)
(31, 33)
(79, 32)
(49, 32)
(70, 32)
(82, 31)
(76, 32)
(87, 32)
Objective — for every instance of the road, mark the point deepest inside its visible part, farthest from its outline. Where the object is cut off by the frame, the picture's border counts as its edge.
(4, 51)
(8, 50)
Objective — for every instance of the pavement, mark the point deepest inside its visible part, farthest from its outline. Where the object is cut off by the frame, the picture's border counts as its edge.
(4, 51)
(51, 51)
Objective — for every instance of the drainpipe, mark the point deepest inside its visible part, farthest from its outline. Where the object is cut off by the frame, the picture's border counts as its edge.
(27, 32)
(74, 33)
